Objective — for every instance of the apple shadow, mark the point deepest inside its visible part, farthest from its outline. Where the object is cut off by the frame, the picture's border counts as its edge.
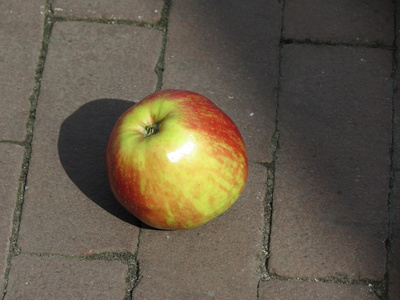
(81, 145)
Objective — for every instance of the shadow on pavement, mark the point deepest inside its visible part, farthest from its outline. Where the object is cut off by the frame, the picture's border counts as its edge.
(81, 145)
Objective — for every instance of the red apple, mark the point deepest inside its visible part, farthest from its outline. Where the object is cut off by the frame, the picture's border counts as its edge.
(175, 160)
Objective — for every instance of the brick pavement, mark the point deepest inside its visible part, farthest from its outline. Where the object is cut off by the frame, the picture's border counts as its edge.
(312, 87)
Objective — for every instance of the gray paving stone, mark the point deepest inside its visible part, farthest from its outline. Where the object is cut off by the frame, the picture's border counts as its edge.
(136, 10)
(10, 166)
(394, 263)
(332, 173)
(295, 290)
(339, 21)
(19, 55)
(62, 278)
(218, 260)
(228, 51)
(90, 69)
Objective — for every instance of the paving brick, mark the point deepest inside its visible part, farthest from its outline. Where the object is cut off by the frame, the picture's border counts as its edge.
(218, 260)
(228, 51)
(339, 21)
(136, 10)
(394, 263)
(333, 167)
(19, 54)
(90, 67)
(288, 290)
(10, 166)
(63, 278)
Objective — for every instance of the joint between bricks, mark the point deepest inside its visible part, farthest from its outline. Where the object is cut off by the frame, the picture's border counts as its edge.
(105, 21)
(377, 286)
(383, 292)
(270, 184)
(377, 45)
(268, 207)
(133, 276)
(162, 25)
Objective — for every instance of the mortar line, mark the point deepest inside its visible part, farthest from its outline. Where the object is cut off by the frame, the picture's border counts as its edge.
(27, 144)
(274, 146)
(113, 21)
(106, 21)
(388, 241)
(134, 275)
(310, 42)
(329, 279)
(162, 25)
(275, 140)
(14, 142)
(118, 255)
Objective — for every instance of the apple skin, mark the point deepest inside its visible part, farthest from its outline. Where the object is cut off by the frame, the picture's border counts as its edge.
(175, 160)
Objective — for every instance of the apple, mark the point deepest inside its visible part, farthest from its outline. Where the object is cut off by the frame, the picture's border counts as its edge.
(175, 160)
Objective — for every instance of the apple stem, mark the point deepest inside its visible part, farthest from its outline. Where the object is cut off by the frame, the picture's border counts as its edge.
(151, 129)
